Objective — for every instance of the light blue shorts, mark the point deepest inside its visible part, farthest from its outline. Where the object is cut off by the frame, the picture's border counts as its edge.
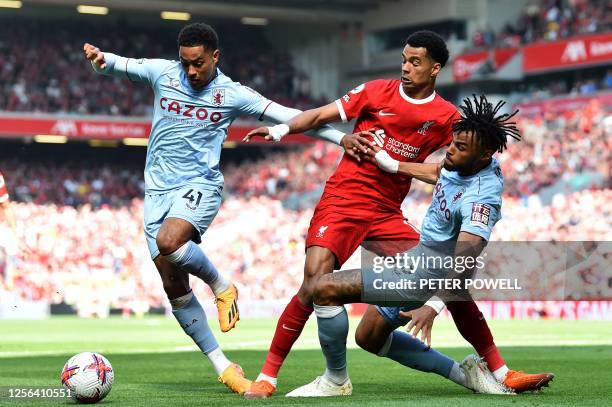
(197, 205)
(392, 314)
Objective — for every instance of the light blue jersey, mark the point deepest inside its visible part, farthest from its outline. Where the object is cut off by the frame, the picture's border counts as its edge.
(188, 126)
(459, 204)
(464, 204)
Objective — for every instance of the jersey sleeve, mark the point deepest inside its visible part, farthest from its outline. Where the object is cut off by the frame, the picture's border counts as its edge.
(249, 102)
(478, 218)
(141, 70)
(280, 114)
(4, 196)
(354, 102)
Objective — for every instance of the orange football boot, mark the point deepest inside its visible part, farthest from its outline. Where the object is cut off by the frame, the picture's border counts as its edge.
(520, 381)
(262, 389)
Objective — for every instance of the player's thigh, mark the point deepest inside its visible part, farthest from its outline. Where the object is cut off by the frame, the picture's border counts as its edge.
(339, 226)
(196, 205)
(373, 330)
(156, 208)
(390, 233)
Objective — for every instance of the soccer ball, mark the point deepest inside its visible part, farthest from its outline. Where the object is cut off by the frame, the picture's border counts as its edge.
(89, 376)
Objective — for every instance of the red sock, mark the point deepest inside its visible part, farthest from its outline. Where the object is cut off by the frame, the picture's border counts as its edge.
(473, 327)
(288, 330)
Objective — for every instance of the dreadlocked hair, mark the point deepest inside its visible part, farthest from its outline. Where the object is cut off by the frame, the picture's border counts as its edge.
(480, 117)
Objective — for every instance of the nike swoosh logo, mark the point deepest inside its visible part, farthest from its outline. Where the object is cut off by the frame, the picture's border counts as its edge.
(383, 113)
(289, 329)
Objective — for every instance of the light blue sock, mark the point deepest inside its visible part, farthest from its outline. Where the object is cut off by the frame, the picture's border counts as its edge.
(190, 258)
(411, 352)
(191, 317)
(333, 327)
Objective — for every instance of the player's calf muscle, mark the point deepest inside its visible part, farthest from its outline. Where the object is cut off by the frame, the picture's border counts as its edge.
(372, 331)
(174, 281)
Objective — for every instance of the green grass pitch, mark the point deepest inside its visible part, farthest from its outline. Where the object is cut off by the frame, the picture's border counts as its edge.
(155, 363)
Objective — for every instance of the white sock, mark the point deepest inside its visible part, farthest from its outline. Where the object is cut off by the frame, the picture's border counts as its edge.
(500, 374)
(218, 360)
(219, 285)
(457, 375)
(337, 376)
(265, 377)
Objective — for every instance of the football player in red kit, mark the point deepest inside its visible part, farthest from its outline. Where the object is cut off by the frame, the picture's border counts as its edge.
(6, 213)
(360, 203)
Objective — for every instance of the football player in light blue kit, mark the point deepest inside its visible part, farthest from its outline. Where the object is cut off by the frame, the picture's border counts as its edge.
(195, 103)
(466, 205)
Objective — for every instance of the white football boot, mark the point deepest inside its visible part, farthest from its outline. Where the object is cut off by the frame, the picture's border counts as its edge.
(480, 379)
(322, 387)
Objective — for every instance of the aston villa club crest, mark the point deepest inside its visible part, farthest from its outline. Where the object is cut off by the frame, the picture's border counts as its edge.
(218, 97)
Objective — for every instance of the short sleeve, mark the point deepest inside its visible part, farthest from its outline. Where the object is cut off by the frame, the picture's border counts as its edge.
(479, 218)
(354, 102)
(148, 70)
(4, 196)
(249, 102)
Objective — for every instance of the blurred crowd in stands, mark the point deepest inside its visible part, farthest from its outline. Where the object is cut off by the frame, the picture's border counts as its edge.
(548, 20)
(579, 85)
(49, 74)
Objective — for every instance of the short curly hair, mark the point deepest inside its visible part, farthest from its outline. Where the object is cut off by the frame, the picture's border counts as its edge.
(432, 42)
(196, 34)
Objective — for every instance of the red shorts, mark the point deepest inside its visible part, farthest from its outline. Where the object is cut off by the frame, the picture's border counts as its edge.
(341, 225)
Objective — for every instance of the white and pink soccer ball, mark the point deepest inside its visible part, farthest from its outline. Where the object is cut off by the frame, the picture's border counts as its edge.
(89, 376)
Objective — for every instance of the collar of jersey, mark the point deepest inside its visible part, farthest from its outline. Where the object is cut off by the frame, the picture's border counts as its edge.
(416, 101)
(188, 88)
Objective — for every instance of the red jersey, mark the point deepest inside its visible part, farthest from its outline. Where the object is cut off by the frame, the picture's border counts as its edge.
(408, 129)
(4, 196)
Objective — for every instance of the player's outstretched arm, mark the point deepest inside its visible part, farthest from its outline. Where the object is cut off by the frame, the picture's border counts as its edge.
(355, 145)
(147, 70)
(307, 120)
(425, 172)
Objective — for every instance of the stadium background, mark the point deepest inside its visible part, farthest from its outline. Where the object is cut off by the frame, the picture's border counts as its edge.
(72, 153)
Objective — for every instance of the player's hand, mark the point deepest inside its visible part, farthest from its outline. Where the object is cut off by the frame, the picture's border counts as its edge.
(372, 153)
(258, 132)
(94, 55)
(357, 145)
(421, 320)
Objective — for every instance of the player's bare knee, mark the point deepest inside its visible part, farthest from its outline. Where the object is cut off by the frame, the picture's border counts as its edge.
(168, 242)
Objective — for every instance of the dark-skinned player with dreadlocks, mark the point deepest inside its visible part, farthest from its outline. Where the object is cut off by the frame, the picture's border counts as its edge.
(465, 206)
